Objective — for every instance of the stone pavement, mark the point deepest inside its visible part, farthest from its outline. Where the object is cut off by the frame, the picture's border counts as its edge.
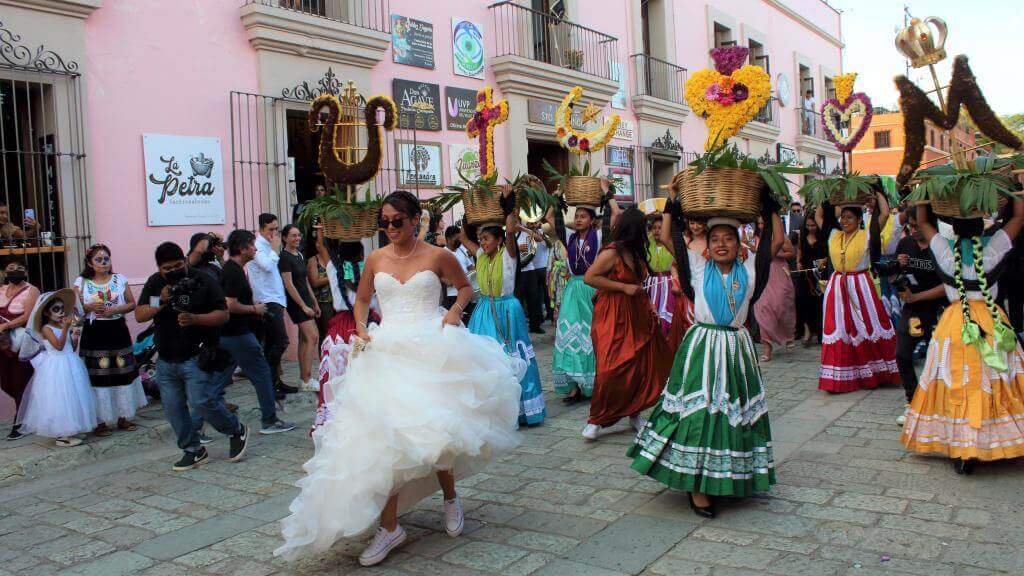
(850, 502)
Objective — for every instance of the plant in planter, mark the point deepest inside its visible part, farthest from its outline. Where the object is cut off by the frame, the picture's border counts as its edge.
(970, 192)
(573, 59)
(343, 214)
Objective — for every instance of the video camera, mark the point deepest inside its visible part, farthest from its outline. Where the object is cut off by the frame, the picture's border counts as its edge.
(183, 293)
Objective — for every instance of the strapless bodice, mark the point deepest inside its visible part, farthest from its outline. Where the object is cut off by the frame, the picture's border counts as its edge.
(418, 298)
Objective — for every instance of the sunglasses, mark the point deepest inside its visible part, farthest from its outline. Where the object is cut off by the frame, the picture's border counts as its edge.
(392, 223)
(101, 260)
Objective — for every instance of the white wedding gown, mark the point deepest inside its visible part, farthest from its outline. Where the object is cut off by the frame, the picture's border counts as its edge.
(420, 398)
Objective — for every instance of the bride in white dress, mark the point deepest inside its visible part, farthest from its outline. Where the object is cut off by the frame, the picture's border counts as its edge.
(425, 399)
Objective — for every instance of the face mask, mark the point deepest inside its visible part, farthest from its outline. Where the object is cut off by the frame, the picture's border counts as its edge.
(176, 275)
(16, 277)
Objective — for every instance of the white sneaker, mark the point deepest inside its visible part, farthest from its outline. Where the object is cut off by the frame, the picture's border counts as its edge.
(311, 385)
(590, 431)
(383, 543)
(453, 518)
(903, 417)
(637, 422)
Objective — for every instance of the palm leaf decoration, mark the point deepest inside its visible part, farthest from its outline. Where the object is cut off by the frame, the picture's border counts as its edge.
(850, 187)
(977, 188)
(339, 205)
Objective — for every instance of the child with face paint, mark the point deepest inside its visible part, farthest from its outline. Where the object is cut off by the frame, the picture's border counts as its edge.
(59, 402)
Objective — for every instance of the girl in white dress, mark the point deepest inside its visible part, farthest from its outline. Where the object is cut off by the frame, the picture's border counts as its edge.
(59, 402)
(421, 398)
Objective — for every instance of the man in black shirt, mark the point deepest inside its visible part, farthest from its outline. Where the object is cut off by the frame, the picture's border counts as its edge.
(237, 335)
(923, 296)
(187, 308)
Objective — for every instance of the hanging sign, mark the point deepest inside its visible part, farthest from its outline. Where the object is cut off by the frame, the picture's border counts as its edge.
(621, 156)
(419, 164)
(467, 48)
(459, 107)
(625, 130)
(543, 112)
(419, 104)
(184, 180)
(412, 42)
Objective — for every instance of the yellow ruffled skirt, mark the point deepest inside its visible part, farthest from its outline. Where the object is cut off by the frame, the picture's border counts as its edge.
(962, 407)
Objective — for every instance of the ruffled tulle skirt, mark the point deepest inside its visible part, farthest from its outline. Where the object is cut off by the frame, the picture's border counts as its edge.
(59, 400)
(420, 398)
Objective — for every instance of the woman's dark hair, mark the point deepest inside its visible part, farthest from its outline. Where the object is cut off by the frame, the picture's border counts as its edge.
(404, 202)
(87, 270)
(968, 228)
(288, 228)
(494, 230)
(341, 252)
(239, 240)
(679, 230)
(451, 232)
(630, 236)
(13, 259)
(874, 231)
(652, 219)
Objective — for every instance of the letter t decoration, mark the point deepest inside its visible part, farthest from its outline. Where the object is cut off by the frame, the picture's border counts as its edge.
(481, 126)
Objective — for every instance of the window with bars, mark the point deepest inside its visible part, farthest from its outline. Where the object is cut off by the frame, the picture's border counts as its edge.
(882, 138)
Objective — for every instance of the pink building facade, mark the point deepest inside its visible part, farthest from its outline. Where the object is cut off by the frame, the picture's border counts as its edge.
(85, 81)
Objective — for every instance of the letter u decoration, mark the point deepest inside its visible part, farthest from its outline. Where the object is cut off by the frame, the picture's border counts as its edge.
(337, 170)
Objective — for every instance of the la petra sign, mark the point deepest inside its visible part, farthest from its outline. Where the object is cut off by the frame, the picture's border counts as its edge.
(184, 180)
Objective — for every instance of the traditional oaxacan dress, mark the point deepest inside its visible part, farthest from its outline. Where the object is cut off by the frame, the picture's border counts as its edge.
(633, 358)
(572, 364)
(558, 274)
(659, 283)
(711, 434)
(499, 315)
(682, 316)
(970, 398)
(858, 341)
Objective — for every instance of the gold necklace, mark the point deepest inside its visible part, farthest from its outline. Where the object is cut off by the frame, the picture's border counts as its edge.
(394, 252)
(844, 243)
(730, 294)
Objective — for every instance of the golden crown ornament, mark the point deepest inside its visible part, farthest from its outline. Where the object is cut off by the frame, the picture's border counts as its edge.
(923, 41)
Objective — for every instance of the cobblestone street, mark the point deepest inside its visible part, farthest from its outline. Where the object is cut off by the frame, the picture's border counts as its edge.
(849, 502)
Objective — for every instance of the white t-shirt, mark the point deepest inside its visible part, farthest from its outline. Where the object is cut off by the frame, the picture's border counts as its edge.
(468, 265)
(541, 259)
(110, 293)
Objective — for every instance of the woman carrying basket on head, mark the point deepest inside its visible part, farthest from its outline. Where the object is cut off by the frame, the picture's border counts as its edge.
(858, 341)
(498, 313)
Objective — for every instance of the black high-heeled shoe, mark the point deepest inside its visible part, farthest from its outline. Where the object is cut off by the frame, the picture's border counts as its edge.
(963, 467)
(705, 511)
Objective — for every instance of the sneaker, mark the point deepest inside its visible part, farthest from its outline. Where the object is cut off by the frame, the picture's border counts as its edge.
(15, 432)
(382, 544)
(311, 385)
(453, 518)
(637, 422)
(190, 460)
(590, 431)
(279, 395)
(276, 427)
(238, 444)
(204, 439)
(286, 388)
(903, 417)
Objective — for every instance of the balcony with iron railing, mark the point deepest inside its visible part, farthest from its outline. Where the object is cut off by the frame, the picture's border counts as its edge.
(355, 32)
(810, 135)
(765, 126)
(551, 53)
(658, 93)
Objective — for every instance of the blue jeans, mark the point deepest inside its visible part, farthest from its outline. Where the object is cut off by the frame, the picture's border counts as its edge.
(246, 353)
(184, 387)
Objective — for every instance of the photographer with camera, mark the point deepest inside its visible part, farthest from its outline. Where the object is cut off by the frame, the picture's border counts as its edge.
(920, 289)
(187, 309)
(237, 335)
(268, 288)
(206, 253)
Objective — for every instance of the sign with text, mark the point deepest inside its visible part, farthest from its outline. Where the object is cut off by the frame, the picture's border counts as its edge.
(621, 156)
(464, 158)
(419, 104)
(543, 112)
(419, 164)
(459, 107)
(184, 180)
(626, 130)
(412, 42)
(467, 48)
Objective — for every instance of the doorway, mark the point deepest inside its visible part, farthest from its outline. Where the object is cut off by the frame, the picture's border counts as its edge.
(540, 150)
(304, 166)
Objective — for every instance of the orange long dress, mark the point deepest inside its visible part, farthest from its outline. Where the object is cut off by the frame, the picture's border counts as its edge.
(632, 354)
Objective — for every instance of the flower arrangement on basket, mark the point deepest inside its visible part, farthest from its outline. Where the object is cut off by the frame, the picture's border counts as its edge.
(580, 187)
(723, 181)
(343, 215)
(971, 192)
(726, 182)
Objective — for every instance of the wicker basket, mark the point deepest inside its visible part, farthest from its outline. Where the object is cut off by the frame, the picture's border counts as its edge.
(484, 208)
(582, 191)
(362, 224)
(838, 199)
(950, 208)
(728, 192)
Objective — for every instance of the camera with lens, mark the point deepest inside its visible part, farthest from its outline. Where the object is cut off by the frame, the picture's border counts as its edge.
(900, 282)
(887, 267)
(183, 293)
